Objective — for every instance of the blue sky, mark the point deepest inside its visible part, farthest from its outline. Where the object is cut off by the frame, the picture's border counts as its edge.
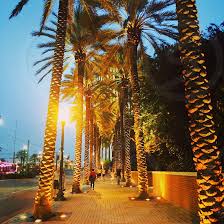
(21, 98)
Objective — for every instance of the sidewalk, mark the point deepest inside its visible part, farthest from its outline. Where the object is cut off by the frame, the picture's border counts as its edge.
(110, 204)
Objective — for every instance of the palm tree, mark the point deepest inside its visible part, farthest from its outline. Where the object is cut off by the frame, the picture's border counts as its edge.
(43, 199)
(84, 40)
(22, 156)
(201, 122)
(86, 34)
(151, 21)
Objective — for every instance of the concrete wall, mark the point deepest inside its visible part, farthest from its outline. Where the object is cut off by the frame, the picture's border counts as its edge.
(179, 188)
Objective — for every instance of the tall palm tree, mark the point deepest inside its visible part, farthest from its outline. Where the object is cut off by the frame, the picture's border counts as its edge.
(151, 21)
(42, 206)
(85, 38)
(43, 199)
(201, 122)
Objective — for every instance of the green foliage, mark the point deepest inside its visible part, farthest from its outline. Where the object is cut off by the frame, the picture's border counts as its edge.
(163, 112)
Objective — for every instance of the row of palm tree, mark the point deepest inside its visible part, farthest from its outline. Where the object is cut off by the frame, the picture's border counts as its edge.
(139, 24)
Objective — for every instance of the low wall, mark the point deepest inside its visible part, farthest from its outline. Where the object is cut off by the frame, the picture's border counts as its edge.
(179, 188)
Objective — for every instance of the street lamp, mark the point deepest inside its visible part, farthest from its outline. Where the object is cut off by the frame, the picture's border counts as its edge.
(63, 116)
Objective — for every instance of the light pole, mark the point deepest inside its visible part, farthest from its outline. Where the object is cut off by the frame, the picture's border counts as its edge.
(63, 116)
(24, 164)
(57, 158)
(60, 194)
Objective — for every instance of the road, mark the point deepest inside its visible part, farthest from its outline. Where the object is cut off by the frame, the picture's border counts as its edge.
(16, 195)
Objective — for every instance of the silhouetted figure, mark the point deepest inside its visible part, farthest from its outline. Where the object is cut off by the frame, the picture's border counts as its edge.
(118, 174)
(92, 178)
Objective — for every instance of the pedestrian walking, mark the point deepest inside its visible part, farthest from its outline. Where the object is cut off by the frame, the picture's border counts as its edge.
(103, 173)
(118, 174)
(56, 183)
(92, 178)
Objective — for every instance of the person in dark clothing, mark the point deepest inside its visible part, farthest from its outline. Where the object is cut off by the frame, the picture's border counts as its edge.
(92, 178)
(118, 174)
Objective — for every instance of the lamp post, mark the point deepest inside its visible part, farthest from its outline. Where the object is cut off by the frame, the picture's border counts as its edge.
(60, 194)
(56, 163)
(63, 116)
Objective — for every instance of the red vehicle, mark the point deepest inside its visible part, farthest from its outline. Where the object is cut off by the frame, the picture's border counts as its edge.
(6, 168)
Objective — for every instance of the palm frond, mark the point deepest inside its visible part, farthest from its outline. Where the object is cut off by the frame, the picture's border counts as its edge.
(18, 8)
(47, 11)
(47, 73)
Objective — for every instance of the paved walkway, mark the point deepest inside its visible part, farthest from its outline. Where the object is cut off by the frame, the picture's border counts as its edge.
(110, 204)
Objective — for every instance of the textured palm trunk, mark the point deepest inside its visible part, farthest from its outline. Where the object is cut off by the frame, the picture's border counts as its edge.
(122, 134)
(127, 146)
(86, 159)
(141, 158)
(113, 154)
(80, 57)
(97, 149)
(71, 11)
(105, 152)
(102, 152)
(91, 140)
(94, 146)
(115, 148)
(118, 144)
(201, 122)
(43, 199)
(109, 152)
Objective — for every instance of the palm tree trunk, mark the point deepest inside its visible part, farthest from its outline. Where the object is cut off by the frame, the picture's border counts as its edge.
(201, 122)
(105, 149)
(86, 159)
(141, 159)
(113, 155)
(127, 146)
(94, 146)
(109, 152)
(119, 146)
(122, 135)
(97, 149)
(79, 125)
(91, 139)
(43, 199)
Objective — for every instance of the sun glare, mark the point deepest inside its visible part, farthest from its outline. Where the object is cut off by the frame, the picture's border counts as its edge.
(64, 113)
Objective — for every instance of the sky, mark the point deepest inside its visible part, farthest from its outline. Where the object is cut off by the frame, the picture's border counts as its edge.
(22, 99)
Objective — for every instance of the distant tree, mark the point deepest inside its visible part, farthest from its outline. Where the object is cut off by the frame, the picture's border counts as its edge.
(34, 158)
(22, 155)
